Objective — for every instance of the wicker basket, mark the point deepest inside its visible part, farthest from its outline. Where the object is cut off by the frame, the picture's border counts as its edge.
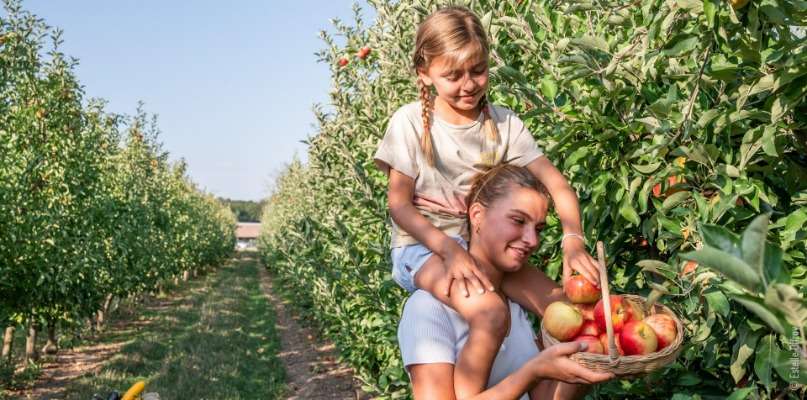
(624, 366)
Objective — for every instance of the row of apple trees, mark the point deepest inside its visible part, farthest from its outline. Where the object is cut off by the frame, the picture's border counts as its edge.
(90, 207)
(678, 123)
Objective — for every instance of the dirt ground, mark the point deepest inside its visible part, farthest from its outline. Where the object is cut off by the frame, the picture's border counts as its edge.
(312, 370)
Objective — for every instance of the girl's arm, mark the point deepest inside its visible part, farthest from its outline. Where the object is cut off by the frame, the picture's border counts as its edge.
(435, 381)
(461, 266)
(575, 256)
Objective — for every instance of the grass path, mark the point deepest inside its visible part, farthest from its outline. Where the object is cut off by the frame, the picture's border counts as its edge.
(214, 339)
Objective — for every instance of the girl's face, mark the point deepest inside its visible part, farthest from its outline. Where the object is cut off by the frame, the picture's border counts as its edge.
(510, 229)
(460, 87)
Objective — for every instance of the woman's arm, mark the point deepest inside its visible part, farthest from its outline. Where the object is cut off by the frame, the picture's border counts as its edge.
(403, 212)
(435, 381)
(565, 200)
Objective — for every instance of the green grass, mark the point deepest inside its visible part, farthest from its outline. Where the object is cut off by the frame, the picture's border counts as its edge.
(216, 341)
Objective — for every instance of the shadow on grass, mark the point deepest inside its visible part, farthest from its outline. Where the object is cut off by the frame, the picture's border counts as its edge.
(218, 342)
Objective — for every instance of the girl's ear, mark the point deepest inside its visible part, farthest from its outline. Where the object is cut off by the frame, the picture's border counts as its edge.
(424, 77)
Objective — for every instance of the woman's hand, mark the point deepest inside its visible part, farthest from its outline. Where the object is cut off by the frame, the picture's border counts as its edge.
(576, 258)
(554, 363)
(461, 266)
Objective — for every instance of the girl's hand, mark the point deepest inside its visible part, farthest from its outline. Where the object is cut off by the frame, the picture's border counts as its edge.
(462, 267)
(576, 258)
(554, 363)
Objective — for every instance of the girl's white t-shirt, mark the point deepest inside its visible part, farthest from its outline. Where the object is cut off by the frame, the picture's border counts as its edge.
(461, 151)
(431, 332)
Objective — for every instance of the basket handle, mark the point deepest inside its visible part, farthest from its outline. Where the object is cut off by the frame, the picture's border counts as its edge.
(606, 301)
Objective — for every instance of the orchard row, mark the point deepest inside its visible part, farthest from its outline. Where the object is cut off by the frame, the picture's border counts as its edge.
(90, 207)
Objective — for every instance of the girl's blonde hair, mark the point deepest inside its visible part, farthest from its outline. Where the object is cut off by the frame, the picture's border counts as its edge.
(457, 33)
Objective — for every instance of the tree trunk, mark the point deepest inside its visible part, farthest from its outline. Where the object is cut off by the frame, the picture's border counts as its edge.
(30, 345)
(100, 317)
(8, 341)
(176, 280)
(195, 273)
(107, 302)
(185, 276)
(51, 347)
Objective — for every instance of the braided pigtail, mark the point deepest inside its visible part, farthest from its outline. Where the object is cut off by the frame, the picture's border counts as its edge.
(488, 124)
(426, 138)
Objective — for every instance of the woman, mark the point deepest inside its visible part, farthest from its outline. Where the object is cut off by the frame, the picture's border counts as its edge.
(507, 210)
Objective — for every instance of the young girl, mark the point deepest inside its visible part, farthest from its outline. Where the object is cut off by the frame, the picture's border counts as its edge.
(431, 150)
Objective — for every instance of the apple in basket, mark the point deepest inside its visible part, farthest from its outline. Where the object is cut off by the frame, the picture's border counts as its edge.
(663, 326)
(604, 342)
(594, 345)
(637, 338)
(622, 311)
(562, 320)
(580, 291)
(587, 310)
(589, 328)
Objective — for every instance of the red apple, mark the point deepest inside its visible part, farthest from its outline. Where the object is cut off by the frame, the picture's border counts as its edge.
(587, 310)
(637, 338)
(619, 313)
(562, 320)
(363, 52)
(343, 62)
(604, 341)
(594, 345)
(589, 328)
(663, 326)
(580, 291)
(657, 190)
(689, 267)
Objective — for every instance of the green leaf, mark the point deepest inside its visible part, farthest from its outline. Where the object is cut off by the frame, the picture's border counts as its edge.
(753, 242)
(743, 349)
(740, 394)
(769, 141)
(790, 365)
(730, 266)
(756, 306)
(549, 88)
(789, 302)
(591, 42)
(707, 117)
(717, 302)
(647, 168)
(721, 238)
(709, 8)
(674, 200)
(680, 44)
(764, 360)
(629, 213)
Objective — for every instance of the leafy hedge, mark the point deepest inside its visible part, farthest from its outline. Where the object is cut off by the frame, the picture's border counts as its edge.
(677, 122)
(89, 205)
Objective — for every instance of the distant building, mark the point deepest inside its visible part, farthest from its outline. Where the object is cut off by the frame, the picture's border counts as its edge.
(246, 234)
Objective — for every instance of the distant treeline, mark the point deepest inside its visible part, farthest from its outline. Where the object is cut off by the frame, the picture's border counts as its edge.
(245, 211)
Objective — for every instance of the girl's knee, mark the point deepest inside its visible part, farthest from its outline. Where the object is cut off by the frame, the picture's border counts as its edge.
(491, 314)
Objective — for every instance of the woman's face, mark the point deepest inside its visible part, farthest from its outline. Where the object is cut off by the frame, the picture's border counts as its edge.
(509, 230)
(461, 87)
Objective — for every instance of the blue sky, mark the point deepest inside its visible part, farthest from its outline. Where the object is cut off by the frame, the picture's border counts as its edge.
(232, 83)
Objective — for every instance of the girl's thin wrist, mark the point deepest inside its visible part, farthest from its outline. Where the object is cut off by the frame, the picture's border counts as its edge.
(447, 247)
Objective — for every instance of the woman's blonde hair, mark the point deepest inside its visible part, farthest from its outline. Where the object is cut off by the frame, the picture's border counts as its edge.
(457, 33)
(489, 186)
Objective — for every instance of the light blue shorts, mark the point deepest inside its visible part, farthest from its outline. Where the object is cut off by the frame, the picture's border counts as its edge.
(407, 260)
